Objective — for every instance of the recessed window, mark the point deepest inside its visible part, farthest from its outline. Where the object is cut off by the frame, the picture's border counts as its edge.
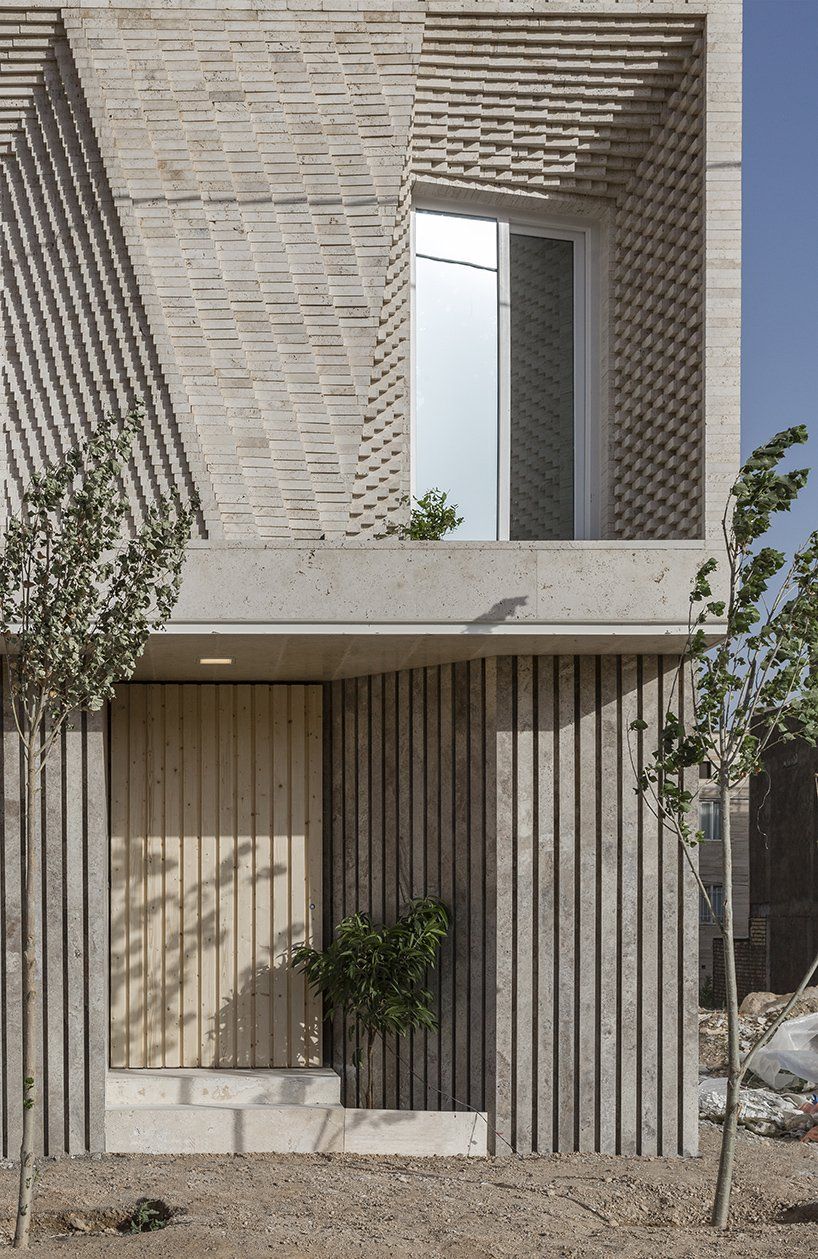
(498, 391)
(716, 893)
(710, 819)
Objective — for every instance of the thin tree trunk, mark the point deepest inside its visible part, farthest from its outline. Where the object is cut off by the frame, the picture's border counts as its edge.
(724, 1182)
(370, 1045)
(30, 946)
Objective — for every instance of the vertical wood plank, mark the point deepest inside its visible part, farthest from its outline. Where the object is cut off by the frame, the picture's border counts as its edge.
(227, 861)
(336, 891)
(137, 866)
(96, 880)
(263, 879)
(281, 865)
(190, 1050)
(120, 890)
(155, 907)
(299, 914)
(172, 881)
(244, 985)
(314, 830)
(208, 893)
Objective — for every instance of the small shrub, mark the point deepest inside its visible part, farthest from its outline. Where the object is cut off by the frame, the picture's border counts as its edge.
(375, 974)
(430, 519)
(149, 1215)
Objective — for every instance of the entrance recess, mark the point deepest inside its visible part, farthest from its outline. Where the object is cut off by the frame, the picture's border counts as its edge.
(216, 855)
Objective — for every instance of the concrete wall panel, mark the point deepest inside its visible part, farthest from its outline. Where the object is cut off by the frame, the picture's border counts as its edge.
(72, 830)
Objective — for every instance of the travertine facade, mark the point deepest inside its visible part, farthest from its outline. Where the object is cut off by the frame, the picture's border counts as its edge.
(240, 184)
(210, 205)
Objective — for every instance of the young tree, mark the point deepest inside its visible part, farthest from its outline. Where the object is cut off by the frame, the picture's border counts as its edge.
(757, 686)
(375, 974)
(428, 518)
(78, 599)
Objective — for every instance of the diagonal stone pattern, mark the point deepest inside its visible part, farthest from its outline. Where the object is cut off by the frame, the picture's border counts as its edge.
(75, 334)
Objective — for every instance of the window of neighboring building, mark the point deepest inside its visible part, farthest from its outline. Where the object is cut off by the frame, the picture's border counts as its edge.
(716, 893)
(499, 371)
(710, 819)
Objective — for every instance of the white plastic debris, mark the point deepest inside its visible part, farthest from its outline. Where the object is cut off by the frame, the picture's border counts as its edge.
(790, 1059)
(761, 1111)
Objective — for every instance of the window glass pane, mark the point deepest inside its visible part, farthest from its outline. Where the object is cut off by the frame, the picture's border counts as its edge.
(716, 894)
(710, 814)
(542, 388)
(456, 390)
(717, 901)
(456, 237)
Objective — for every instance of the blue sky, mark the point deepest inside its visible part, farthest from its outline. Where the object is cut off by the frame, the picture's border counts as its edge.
(780, 236)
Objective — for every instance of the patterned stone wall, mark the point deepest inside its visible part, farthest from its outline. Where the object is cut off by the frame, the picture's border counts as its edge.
(656, 450)
(210, 207)
(75, 334)
(259, 152)
(561, 108)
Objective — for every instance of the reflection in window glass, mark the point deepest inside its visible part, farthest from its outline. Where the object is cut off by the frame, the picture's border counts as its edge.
(710, 819)
(456, 368)
(541, 480)
(456, 238)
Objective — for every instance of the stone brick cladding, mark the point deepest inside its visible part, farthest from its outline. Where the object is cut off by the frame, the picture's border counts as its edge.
(76, 343)
(523, 100)
(259, 152)
(242, 176)
(657, 299)
(542, 384)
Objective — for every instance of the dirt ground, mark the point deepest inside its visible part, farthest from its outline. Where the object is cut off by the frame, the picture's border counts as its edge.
(352, 1207)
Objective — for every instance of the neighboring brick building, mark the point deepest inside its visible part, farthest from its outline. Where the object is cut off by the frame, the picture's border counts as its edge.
(347, 250)
(784, 860)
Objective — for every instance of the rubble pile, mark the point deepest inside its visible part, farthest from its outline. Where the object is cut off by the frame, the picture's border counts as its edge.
(756, 1012)
(787, 1065)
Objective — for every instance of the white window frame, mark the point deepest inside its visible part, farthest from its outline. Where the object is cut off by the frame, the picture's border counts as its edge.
(714, 810)
(581, 236)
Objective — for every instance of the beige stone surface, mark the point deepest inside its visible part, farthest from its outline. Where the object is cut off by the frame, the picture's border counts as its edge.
(241, 236)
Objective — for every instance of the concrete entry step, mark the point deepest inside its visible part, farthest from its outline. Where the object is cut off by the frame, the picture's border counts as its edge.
(227, 1128)
(236, 1128)
(198, 1086)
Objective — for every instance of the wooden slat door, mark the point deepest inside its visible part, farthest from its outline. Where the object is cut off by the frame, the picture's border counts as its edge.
(216, 854)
